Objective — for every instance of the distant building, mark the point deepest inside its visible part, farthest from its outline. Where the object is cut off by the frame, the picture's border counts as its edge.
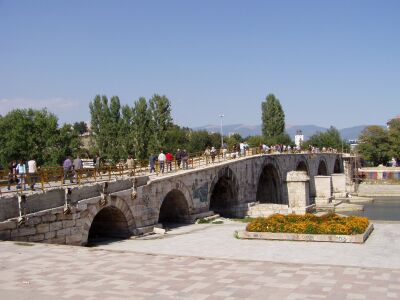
(298, 138)
(391, 120)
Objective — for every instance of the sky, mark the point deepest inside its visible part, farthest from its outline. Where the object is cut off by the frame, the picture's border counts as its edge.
(329, 62)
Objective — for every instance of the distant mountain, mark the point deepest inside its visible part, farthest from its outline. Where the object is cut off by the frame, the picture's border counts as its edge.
(350, 133)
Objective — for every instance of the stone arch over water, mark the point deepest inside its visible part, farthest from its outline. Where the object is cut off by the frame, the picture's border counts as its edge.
(322, 168)
(269, 185)
(115, 220)
(174, 208)
(224, 192)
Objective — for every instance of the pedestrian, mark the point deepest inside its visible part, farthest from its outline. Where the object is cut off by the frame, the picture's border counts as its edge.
(224, 150)
(169, 157)
(207, 154)
(67, 167)
(213, 153)
(130, 165)
(32, 173)
(96, 164)
(178, 157)
(12, 174)
(21, 171)
(185, 159)
(78, 166)
(161, 160)
(152, 162)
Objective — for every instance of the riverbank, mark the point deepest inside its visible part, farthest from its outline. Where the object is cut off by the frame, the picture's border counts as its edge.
(378, 190)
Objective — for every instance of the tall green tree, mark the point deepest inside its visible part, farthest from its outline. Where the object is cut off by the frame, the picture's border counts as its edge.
(80, 127)
(141, 128)
(373, 145)
(273, 119)
(160, 121)
(394, 139)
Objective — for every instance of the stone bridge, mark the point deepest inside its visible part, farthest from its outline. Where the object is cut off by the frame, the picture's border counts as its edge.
(134, 206)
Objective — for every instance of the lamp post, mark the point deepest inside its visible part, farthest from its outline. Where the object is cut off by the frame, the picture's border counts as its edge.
(222, 133)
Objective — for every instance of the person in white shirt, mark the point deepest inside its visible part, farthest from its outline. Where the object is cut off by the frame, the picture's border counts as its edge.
(32, 173)
(161, 160)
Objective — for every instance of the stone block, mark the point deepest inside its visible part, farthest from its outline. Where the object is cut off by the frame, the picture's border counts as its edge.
(32, 221)
(43, 228)
(68, 223)
(63, 232)
(80, 222)
(76, 216)
(49, 218)
(36, 238)
(20, 239)
(23, 231)
(55, 226)
(49, 235)
(8, 225)
(159, 230)
(323, 186)
(339, 183)
(76, 230)
(75, 239)
(5, 235)
(57, 240)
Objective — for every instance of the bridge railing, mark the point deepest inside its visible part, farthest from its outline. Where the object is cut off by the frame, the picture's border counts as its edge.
(55, 176)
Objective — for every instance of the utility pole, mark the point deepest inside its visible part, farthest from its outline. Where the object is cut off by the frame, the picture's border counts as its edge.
(222, 133)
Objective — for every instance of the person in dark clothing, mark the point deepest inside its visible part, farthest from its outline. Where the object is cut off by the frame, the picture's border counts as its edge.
(12, 174)
(178, 157)
(152, 161)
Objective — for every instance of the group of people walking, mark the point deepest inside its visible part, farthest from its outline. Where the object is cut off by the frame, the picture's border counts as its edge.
(22, 173)
(165, 161)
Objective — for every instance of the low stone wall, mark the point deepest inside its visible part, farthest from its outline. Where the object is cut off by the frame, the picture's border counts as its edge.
(371, 190)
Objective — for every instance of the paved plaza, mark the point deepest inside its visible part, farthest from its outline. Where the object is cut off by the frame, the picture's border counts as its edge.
(204, 262)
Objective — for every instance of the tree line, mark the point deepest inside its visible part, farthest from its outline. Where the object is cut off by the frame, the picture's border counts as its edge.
(144, 128)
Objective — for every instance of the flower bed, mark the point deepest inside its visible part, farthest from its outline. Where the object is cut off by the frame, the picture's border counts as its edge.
(310, 224)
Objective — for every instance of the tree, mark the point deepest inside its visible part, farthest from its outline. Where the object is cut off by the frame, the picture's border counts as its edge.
(28, 133)
(160, 121)
(328, 139)
(106, 123)
(273, 119)
(177, 138)
(80, 127)
(198, 141)
(374, 145)
(394, 139)
(141, 128)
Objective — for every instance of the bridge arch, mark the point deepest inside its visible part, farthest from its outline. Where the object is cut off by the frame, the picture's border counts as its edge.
(115, 220)
(174, 208)
(338, 167)
(269, 184)
(224, 192)
(322, 168)
(302, 166)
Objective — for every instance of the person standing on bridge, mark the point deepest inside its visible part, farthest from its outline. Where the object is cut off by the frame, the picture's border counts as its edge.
(32, 172)
(169, 157)
(152, 163)
(21, 171)
(78, 166)
(185, 159)
(130, 165)
(207, 154)
(67, 167)
(213, 153)
(12, 174)
(178, 157)
(161, 160)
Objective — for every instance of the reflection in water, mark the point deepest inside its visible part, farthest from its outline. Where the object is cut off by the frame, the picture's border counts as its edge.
(387, 209)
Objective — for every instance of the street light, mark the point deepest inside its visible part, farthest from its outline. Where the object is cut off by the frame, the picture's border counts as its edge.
(222, 133)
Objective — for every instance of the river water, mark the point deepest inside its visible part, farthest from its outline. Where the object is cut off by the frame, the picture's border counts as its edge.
(381, 208)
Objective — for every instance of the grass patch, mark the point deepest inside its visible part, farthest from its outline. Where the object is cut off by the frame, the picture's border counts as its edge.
(310, 224)
(203, 221)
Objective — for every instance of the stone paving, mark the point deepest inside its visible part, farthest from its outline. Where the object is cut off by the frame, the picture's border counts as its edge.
(119, 271)
(66, 272)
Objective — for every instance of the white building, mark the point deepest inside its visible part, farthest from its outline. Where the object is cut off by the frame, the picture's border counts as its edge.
(299, 138)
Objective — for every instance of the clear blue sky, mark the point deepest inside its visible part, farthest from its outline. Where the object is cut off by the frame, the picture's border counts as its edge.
(329, 62)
